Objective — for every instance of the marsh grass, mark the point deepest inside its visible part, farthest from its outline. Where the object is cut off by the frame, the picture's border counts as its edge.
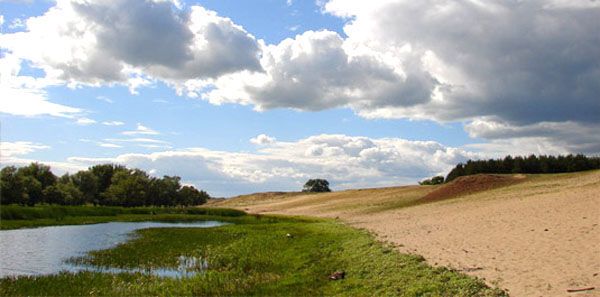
(16, 216)
(256, 257)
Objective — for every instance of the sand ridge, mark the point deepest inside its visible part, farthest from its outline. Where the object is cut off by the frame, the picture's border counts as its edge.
(465, 185)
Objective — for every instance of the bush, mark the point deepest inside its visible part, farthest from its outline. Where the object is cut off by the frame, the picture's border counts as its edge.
(436, 180)
(223, 212)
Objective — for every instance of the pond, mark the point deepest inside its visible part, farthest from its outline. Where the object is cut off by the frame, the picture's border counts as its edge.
(44, 250)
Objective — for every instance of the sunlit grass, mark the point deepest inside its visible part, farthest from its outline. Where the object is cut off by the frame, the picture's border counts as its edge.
(257, 257)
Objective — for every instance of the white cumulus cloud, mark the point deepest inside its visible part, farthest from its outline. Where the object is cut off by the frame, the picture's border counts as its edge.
(26, 96)
(346, 161)
(94, 42)
(262, 139)
(12, 149)
(521, 61)
(315, 71)
(523, 65)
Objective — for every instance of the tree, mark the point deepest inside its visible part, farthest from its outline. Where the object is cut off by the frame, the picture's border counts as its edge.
(54, 195)
(163, 191)
(188, 195)
(36, 177)
(436, 180)
(12, 186)
(32, 191)
(65, 192)
(458, 171)
(531, 164)
(316, 185)
(71, 195)
(87, 183)
(41, 173)
(106, 184)
(128, 188)
(104, 174)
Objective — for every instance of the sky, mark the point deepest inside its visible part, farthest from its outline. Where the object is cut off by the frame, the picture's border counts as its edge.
(248, 96)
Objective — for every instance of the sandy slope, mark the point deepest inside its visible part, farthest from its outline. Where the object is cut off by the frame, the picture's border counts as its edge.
(539, 237)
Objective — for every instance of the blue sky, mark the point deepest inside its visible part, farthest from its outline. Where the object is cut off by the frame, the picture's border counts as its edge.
(244, 96)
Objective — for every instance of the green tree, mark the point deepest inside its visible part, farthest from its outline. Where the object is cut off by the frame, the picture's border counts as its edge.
(41, 173)
(12, 186)
(165, 190)
(530, 164)
(436, 180)
(71, 194)
(128, 188)
(32, 193)
(104, 174)
(65, 192)
(457, 171)
(316, 185)
(188, 195)
(54, 195)
(87, 183)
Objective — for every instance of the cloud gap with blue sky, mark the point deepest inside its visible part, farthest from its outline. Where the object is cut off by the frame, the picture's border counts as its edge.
(246, 96)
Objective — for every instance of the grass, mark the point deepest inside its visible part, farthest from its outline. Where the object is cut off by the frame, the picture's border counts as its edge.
(362, 201)
(16, 216)
(256, 257)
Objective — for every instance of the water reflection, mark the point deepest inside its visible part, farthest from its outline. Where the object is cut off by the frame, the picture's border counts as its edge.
(187, 267)
(44, 250)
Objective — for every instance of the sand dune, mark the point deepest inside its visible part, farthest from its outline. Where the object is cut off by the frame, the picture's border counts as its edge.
(537, 237)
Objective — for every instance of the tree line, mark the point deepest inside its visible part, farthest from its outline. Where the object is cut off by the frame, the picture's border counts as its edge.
(531, 164)
(106, 184)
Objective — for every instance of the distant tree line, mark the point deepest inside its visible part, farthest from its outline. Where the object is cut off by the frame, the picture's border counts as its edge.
(105, 184)
(531, 164)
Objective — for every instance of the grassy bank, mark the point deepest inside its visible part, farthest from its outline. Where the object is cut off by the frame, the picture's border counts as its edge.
(256, 257)
(16, 216)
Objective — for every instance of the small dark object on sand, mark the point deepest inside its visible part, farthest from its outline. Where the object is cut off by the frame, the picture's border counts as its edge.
(337, 275)
(580, 290)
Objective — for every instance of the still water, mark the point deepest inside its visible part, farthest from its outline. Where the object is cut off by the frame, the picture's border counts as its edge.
(44, 250)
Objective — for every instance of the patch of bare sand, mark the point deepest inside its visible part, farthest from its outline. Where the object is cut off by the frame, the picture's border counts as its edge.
(531, 241)
(536, 238)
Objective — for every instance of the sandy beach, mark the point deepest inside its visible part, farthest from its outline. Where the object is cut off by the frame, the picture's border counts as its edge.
(538, 237)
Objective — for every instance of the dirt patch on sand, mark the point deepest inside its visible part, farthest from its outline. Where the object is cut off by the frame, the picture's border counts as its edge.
(471, 184)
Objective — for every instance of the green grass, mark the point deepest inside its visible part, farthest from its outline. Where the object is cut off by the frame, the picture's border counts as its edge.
(255, 257)
(16, 216)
